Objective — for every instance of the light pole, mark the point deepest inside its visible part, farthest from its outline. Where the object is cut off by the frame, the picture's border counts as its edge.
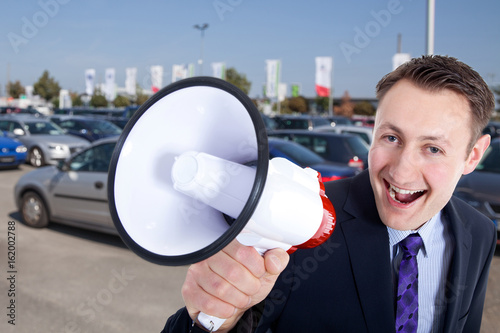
(202, 28)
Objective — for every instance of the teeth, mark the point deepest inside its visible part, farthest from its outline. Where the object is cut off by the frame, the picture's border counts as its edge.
(395, 189)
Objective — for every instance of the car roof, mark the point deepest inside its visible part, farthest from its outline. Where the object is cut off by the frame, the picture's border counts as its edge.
(311, 133)
(24, 118)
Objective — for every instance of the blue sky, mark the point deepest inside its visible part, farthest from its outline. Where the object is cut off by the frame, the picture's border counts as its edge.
(70, 36)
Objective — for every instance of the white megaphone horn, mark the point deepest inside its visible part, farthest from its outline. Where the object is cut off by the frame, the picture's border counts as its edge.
(191, 172)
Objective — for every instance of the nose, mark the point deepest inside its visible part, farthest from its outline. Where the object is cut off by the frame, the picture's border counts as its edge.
(404, 166)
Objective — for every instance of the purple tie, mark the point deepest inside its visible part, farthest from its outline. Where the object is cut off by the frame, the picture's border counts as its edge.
(407, 297)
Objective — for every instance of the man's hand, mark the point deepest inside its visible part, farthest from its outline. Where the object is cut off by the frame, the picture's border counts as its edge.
(231, 281)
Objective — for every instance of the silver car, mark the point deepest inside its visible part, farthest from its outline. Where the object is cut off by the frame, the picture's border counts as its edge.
(46, 142)
(481, 188)
(73, 193)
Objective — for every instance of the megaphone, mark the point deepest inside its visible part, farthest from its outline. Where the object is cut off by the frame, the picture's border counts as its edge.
(191, 172)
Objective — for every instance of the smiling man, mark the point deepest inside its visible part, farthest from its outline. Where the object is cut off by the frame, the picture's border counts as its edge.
(406, 256)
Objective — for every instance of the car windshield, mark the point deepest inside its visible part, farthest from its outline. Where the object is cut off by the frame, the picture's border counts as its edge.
(43, 127)
(491, 159)
(358, 145)
(302, 155)
(104, 127)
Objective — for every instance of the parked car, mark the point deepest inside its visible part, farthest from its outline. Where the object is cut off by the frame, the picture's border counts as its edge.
(46, 142)
(481, 188)
(348, 149)
(365, 133)
(269, 122)
(303, 122)
(12, 152)
(493, 129)
(339, 120)
(74, 192)
(13, 110)
(304, 157)
(89, 128)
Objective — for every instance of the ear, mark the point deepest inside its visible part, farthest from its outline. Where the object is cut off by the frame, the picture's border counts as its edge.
(477, 153)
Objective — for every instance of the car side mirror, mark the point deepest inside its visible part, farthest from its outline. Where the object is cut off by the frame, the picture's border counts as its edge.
(62, 165)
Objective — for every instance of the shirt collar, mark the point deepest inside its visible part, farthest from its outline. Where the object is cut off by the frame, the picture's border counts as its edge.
(426, 232)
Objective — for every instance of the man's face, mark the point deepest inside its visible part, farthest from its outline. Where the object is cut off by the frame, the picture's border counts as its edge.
(418, 153)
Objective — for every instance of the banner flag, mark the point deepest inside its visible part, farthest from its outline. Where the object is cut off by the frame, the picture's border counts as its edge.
(295, 90)
(324, 67)
(89, 81)
(282, 87)
(400, 58)
(219, 70)
(110, 89)
(273, 77)
(179, 72)
(190, 70)
(130, 81)
(156, 78)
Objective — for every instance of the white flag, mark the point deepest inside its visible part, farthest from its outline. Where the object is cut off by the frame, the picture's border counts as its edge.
(110, 89)
(400, 58)
(156, 78)
(324, 76)
(179, 72)
(89, 81)
(282, 87)
(219, 70)
(273, 77)
(130, 81)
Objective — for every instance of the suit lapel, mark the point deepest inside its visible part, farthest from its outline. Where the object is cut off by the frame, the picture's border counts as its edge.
(368, 245)
(456, 280)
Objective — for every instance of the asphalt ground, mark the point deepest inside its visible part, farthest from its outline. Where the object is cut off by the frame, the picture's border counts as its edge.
(68, 280)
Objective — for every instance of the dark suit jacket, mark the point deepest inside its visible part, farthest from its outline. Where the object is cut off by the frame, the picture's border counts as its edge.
(345, 285)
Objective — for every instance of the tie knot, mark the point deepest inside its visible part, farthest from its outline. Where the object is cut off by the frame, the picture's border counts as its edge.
(411, 244)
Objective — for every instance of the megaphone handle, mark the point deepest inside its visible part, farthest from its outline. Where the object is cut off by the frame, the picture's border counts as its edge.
(211, 323)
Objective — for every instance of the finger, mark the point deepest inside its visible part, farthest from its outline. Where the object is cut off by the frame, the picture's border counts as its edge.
(275, 261)
(198, 300)
(234, 273)
(247, 256)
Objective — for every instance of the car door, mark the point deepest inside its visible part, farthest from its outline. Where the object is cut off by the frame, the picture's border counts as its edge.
(80, 193)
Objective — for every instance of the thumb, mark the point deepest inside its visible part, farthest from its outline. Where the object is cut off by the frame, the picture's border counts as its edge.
(275, 261)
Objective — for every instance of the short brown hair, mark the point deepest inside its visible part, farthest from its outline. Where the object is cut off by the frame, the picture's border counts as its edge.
(435, 73)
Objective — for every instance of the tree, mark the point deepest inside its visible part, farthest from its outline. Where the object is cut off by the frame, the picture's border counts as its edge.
(346, 107)
(322, 103)
(98, 101)
(141, 98)
(298, 104)
(15, 89)
(121, 101)
(46, 87)
(364, 108)
(76, 99)
(239, 80)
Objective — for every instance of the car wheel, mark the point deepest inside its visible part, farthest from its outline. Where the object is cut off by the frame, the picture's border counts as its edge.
(36, 157)
(34, 211)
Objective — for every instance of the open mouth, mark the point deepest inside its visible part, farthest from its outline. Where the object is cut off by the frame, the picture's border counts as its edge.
(403, 196)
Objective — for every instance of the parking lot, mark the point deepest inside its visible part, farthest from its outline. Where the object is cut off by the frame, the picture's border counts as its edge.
(63, 279)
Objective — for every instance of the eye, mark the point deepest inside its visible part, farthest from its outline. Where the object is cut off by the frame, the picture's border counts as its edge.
(434, 150)
(391, 138)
